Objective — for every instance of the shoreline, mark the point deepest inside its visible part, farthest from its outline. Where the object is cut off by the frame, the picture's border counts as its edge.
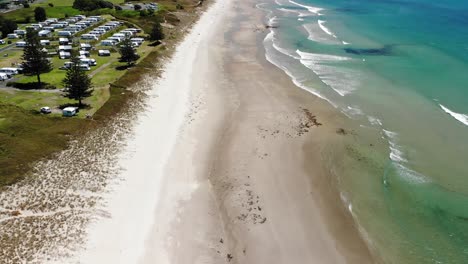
(224, 157)
(210, 161)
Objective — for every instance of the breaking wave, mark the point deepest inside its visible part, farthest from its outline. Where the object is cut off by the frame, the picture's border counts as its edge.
(460, 117)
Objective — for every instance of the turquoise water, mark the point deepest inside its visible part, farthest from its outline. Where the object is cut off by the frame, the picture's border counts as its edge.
(399, 71)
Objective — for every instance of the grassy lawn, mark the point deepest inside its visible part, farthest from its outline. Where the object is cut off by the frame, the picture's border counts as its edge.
(14, 56)
(60, 9)
(27, 136)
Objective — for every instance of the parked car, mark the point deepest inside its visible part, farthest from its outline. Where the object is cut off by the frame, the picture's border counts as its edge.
(4, 76)
(2, 42)
(46, 110)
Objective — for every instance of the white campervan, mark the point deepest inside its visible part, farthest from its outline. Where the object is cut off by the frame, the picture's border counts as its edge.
(20, 44)
(64, 33)
(89, 37)
(9, 71)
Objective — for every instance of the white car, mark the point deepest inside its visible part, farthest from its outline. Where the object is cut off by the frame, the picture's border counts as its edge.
(46, 110)
(2, 41)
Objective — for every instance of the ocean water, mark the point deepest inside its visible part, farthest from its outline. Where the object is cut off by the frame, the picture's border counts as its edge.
(398, 69)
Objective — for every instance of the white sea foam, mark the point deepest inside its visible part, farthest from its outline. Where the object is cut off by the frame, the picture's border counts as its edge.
(460, 117)
(353, 111)
(315, 34)
(269, 41)
(300, 13)
(410, 175)
(345, 43)
(313, 9)
(374, 121)
(343, 81)
(272, 21)
(396, 154)
(325, 29)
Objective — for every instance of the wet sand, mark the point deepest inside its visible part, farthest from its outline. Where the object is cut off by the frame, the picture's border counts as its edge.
(245, 182)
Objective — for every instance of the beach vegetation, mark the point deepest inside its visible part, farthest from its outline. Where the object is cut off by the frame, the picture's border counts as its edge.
(156, 33)
(35, 61)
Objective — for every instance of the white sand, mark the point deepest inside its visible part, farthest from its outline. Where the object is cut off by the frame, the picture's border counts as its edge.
(222, 167)
(120, 238)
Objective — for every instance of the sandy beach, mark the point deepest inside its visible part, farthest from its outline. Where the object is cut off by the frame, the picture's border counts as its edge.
(223, 165)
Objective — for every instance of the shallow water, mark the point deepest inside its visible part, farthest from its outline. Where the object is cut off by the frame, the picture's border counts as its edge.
(397, 69)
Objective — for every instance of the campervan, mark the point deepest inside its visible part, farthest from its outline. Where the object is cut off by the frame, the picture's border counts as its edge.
(20, 32)
(90, 62)
(9, 71)
(45, 42)
(20, 44)
(85, 67)
(64, 33)
(12, 36)
(89, 37)
(69, 111)
(103, 53)
(64, 41)
(107, 42)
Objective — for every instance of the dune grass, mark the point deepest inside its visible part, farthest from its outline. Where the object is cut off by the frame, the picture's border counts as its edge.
(26, 136)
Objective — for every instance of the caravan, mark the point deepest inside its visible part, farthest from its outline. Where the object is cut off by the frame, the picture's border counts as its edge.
(9, 71)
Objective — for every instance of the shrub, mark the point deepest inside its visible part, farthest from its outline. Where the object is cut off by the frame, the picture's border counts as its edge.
(51, 5)
(105, 4)
(40, 14)
(26, 5)
(7, 26)
(137, 7)
(157, 33)
(118, 8)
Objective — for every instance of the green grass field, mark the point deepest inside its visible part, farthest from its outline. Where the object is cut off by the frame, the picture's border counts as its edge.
(25, 134)
(60, 9)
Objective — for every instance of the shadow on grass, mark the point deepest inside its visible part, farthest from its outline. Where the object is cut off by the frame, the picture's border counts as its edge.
(155, 44)
(31, 86)
(124, 67)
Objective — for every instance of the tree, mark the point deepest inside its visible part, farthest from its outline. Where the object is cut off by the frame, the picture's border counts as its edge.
(90, 5)
(85, 5)
(35, 60)
(40, 14)
(77, 83)
(156, 33)
(7, 26)
(127, 52)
